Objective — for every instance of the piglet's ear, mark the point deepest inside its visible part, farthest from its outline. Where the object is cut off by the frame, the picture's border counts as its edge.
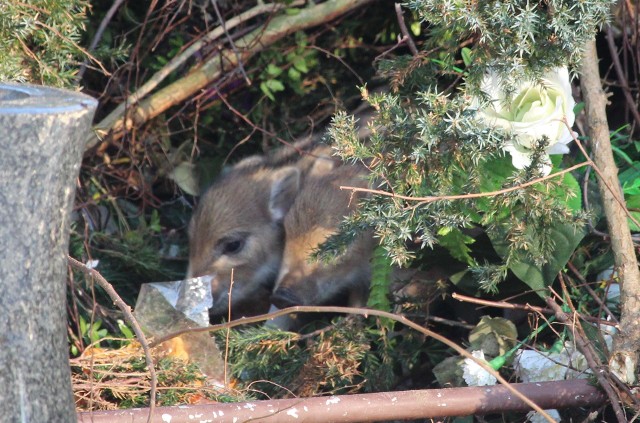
(284, 188)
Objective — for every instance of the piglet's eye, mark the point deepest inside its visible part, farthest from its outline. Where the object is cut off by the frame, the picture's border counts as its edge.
(232, 246)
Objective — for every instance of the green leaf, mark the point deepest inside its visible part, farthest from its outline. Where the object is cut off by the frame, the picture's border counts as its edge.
(125, 330)
(565, 237)
(494, 174)
(300, 63)
(292, 11)
(415, 28)
(493, 335)
(273, 70)
(630, 175)
(570, 185)
(467, 57)
(274, 85)
(154, 223)
(624, 156)
(633, 203)
(265, 89)
(631, 187)
(294, 74)
(184, 175)
(456, 243)
(380, 280)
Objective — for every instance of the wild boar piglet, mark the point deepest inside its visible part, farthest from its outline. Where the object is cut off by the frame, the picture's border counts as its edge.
(315, 215)
(236, 233)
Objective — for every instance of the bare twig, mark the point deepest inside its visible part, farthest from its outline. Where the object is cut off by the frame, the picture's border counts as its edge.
(406, 37)
(214, 3)
(118, 122)
(131, 320)
(430, 199)
(615, 195)
(591, 292)
(585, 348)
(526, 307)
(633, 107)
(98, 36)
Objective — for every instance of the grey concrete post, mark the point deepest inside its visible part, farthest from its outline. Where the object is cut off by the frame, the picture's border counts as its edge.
(41, 145)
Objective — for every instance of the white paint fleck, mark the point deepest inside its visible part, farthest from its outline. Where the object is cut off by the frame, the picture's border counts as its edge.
(92, 264)
(439, 395)
(293, 412)
(304, 407)
(250, 406)
(394, 399)
(333, 400)
(442, 404)
(235, 419)
(166, 418)
(206, 421)
(215, 415)
(221, 412)
(198, 415)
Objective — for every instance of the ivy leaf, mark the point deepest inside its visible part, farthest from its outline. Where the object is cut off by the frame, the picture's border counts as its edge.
(265, 89)
(294, 74)
(273, 70)
(300, 63)
(456, 243)
(274, 85)
(565, 238)
(493, 335)
(633, 203)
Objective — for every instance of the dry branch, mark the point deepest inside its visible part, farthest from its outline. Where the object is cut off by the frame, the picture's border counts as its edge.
(122, 120)
(626, 345)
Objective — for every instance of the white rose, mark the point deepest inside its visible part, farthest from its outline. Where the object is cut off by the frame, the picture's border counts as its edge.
(536, 110)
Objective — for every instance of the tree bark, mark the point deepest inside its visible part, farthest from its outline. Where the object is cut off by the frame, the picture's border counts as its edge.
(42, 132)
(626, 344)
(119, 121)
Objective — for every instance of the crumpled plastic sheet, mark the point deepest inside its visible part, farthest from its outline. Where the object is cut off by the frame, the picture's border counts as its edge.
(166, 307)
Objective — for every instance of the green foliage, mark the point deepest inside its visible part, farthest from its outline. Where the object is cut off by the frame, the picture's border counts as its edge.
(380, 280)
(297, 62)
(628, 153)
(428, 141)
(92, 332)
(514, 37)
(39, 41)
(348, 356)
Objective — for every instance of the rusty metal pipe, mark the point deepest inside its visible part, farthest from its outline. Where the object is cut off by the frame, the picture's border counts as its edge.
(401, 405)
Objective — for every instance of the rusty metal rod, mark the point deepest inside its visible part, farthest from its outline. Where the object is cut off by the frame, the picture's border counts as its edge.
(370, 407)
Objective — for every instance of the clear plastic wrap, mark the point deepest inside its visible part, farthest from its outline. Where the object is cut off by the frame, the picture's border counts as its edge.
(166, 307)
